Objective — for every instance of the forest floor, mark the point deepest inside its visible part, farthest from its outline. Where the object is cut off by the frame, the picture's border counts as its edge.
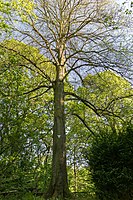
(29, 196)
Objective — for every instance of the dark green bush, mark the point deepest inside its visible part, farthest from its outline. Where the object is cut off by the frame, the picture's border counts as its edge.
(111, 162)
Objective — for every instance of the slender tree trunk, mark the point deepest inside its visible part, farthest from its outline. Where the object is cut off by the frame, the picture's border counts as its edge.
(75, 171)
(59, 183)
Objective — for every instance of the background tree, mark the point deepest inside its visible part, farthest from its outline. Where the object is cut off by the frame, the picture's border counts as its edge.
(112, 96)
(25, 139)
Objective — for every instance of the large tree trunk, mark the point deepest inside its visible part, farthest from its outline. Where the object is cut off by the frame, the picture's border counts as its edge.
(59, 183)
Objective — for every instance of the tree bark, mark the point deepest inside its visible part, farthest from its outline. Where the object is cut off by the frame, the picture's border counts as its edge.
(59, 183)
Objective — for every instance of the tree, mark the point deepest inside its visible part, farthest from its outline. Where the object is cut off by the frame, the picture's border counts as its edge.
(25, 139)
(112, 97)
(76, 37)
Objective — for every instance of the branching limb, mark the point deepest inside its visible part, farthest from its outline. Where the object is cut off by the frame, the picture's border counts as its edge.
(29, 60)
(83, 121)
(41, 93)
(37, 88)
(87, 103)
(118, 98)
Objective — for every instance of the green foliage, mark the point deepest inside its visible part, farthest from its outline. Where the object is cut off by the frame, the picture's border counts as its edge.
(108, 90)
(112, 98)
(38, 67)
(103, 89)
(111, 161)
(23, 8)
(24, 138)
(26, 123)
(21, 196)
(80, 180)
(4, 12)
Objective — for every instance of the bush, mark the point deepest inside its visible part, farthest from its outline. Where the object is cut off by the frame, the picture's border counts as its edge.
(111, 162)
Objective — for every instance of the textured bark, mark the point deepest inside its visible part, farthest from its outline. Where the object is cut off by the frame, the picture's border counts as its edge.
(59, 185)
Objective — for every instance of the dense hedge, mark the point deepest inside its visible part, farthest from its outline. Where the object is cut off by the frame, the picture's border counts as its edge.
(111, 162)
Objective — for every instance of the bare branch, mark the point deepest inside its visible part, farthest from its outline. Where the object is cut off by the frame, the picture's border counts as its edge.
(87, 103)
(37, 88)
(84, 123)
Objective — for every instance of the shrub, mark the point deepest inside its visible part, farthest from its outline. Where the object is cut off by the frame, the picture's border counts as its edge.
(111, 162)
